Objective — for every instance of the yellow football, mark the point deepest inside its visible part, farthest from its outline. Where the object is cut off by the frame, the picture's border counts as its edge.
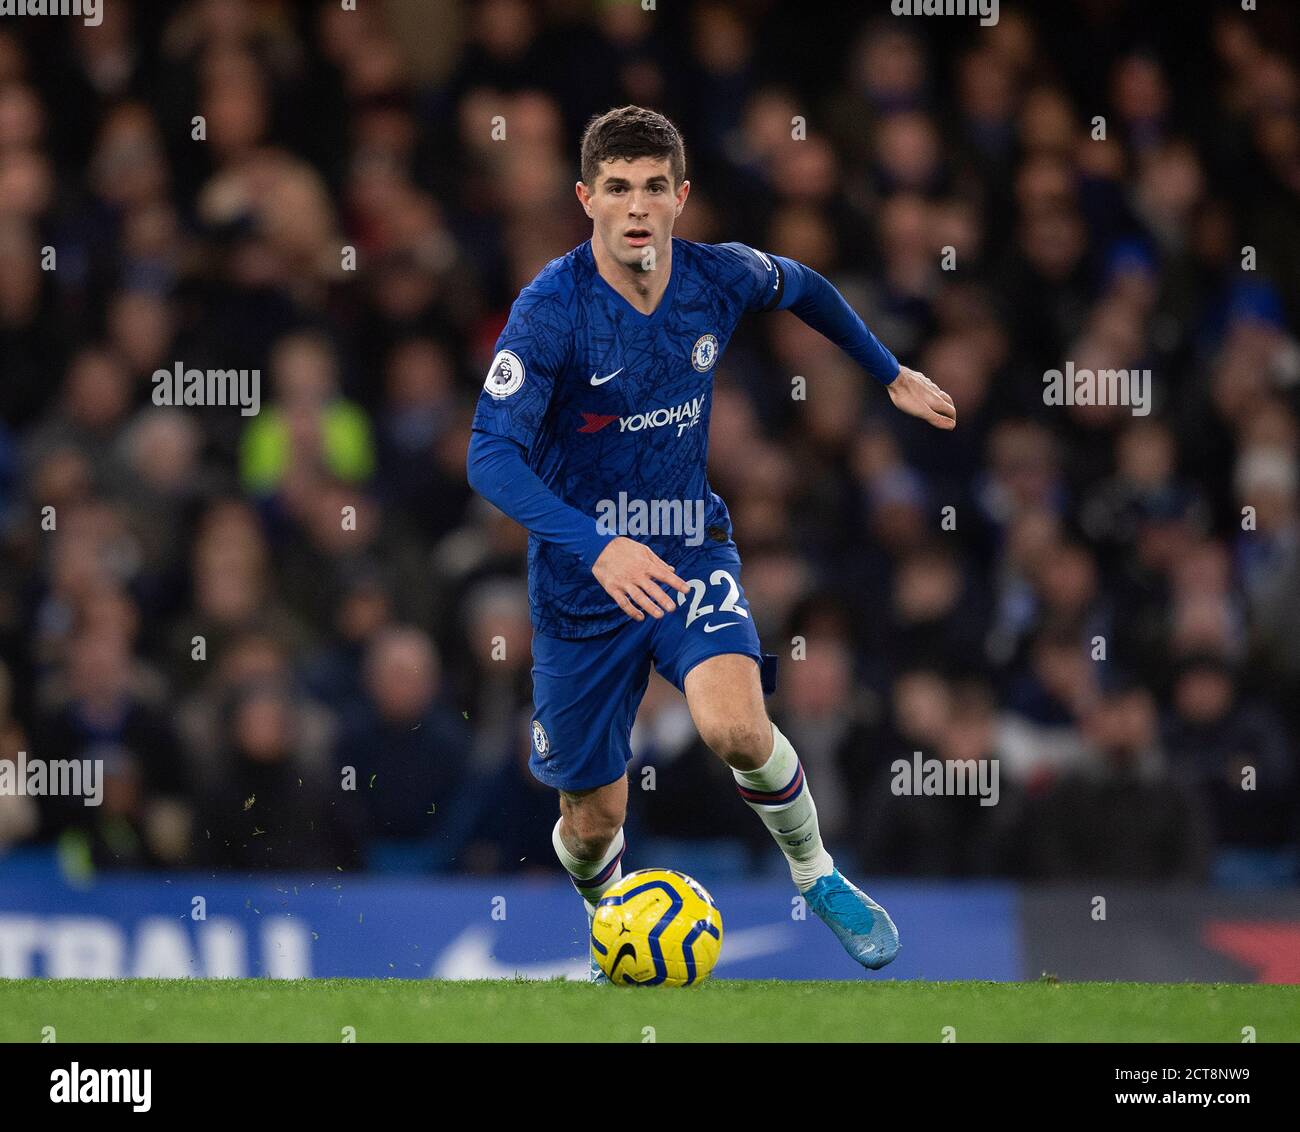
(656, 928)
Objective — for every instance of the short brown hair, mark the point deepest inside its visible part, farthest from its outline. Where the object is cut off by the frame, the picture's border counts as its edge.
(630, 132)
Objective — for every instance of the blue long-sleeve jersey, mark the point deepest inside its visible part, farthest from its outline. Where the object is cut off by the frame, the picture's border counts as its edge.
(589, 403)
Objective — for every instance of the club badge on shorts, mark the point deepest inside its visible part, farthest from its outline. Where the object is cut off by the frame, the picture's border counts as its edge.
(541, 744)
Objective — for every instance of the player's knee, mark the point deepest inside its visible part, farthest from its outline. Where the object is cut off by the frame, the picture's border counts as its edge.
(593, 843)
(744, 745)
(591, 830)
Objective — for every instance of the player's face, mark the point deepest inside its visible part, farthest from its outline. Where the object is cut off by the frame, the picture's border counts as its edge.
(632, 206)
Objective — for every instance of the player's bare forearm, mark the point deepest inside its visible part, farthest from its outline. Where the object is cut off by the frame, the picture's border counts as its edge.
(629, 571)
(918, 396)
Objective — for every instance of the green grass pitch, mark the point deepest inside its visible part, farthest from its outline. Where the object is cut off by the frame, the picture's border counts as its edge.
(385, 1010)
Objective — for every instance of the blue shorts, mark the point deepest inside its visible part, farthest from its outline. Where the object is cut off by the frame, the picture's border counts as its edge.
(586, 691)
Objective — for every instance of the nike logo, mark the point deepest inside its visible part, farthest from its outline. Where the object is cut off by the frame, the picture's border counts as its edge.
(715, 628)
(787, 830)
(608, 377)
(470, 955)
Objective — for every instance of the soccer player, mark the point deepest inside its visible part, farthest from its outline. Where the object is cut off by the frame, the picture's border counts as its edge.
(595, 407)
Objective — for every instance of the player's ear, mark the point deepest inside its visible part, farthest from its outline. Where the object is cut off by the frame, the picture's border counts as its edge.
(683, 191)
(584, 196)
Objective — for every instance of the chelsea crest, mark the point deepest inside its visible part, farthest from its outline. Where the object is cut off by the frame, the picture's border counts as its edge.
(541, 743)
(705, 353)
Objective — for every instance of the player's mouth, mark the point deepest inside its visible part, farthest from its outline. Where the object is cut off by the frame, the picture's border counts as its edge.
(638, 237)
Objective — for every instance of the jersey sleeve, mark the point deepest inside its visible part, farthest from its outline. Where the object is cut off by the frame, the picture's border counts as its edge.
(530, 356)
(498, 472)
(758, 277)
(771, 282)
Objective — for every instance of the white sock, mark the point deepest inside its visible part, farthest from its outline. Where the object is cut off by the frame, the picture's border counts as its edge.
(592, 878)
(777, 792)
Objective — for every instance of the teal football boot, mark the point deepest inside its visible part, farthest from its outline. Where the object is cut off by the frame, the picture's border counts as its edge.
(859, 923)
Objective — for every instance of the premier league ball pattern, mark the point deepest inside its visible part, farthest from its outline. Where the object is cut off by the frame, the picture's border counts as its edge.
(656, 927)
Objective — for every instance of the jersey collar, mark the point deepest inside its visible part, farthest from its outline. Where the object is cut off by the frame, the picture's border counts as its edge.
(655, 317)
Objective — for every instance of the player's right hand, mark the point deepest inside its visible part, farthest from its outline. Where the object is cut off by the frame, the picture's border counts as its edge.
(628, 572)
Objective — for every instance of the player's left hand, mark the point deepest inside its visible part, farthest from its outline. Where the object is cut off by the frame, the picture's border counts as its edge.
(918, 396)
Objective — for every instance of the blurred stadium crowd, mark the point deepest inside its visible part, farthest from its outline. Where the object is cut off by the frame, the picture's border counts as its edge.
(1099, 614)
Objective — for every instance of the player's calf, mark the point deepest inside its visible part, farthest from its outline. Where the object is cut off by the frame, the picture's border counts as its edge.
(778, 793)
(590, 822)
(591, 876)
(741, 744)
(589, 842)
(726, 702)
